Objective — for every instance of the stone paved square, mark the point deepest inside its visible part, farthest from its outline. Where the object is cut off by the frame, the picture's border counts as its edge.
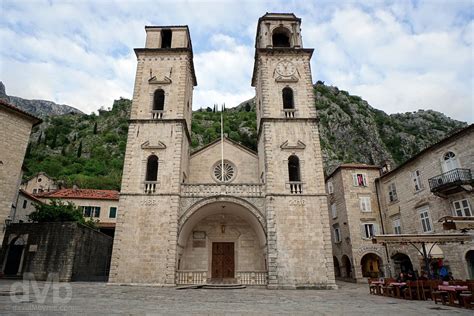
(100, 298)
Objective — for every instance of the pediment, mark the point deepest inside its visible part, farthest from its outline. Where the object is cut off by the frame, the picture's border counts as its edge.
(159, 80)
(298, 145)
(286, 79)
(154, 145)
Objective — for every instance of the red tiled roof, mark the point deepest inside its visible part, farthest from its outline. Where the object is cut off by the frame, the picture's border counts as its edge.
(81, 194)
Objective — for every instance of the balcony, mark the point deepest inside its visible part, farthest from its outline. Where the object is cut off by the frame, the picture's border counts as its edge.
(211, 189)
(295, 187)
(157, 114)
(150, 186)
(289, 113)
(450, 182)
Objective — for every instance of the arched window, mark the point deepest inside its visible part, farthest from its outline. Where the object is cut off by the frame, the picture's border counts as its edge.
(288, 101)
(166, 36)
(152, 168)
(281, 37)
(450, 161)
(294, 169)
(159, 100)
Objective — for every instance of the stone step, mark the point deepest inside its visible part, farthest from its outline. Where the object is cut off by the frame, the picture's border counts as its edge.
(224, 286)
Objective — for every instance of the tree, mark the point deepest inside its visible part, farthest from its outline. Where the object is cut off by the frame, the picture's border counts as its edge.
(79, 150)
(95, 128)
(58, 211)
(39, 137)
(247, 108)
(53, 141)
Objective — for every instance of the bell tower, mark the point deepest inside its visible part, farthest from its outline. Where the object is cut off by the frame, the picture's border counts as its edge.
(156, 159)
(290, 161)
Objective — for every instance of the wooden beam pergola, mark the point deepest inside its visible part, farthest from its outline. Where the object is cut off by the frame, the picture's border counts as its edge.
(420, 240)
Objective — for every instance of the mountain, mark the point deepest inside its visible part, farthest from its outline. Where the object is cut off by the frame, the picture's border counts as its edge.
(353, 131)
(40, 108)
(88, 150)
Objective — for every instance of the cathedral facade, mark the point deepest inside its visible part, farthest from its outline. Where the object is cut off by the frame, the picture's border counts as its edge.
(255, 218)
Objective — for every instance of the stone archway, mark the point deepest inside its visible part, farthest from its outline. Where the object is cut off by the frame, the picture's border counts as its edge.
(470, 264)
(221, 238)
(346, 267)
(371, 266)
(337, 268)
(401, 263)
(14, 258)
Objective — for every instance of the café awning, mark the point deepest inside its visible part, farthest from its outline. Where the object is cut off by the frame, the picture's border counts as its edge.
(421, 238)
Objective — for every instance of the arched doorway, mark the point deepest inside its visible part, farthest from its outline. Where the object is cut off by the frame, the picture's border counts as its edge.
(221, 242)
(346, 267)
(470, 264)
(401, 263)
(14, 256)
(337, 268)
(371, 266)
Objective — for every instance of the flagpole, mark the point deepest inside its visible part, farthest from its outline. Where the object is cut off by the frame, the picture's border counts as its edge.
(222, 143)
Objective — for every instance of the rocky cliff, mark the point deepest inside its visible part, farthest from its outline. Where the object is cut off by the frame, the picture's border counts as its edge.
(40, 108)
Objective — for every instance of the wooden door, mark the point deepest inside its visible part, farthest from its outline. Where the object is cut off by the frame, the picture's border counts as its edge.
(222, 260)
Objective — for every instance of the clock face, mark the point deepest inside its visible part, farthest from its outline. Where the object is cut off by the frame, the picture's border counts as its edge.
(285, 68)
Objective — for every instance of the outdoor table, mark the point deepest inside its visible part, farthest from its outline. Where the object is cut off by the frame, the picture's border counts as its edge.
(397, 287)
(454, 292)
(378, 286)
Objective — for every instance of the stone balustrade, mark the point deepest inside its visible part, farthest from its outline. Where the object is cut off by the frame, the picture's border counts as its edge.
(251, 277)
(184, 277)
(204, 190)
(191, 277)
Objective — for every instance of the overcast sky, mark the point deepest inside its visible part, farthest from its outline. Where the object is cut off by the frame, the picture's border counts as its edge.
(399, 56)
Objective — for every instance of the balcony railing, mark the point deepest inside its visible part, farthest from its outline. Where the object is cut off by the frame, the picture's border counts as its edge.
(157, 114)
(209, 189)
(296, 187)
(450, 179)
(150, 186)
(289, 113)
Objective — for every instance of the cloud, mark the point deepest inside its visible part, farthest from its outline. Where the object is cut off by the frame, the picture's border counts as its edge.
(397, 64)
(399, 56)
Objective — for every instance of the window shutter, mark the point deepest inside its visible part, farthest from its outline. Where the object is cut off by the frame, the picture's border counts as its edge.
(365, 179)
(362, 231)
(354, 179)
(376, 229)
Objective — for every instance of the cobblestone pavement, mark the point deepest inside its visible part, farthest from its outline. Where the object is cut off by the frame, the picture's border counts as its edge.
(100, 298)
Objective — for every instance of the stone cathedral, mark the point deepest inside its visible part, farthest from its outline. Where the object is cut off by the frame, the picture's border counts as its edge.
(253, 218)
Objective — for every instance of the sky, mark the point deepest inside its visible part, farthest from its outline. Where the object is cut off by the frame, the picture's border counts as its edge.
(400, 56)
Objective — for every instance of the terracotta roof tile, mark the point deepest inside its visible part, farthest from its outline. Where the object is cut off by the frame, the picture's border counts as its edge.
(81, 194)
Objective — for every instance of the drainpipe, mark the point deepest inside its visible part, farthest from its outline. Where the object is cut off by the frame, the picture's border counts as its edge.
(377, 181)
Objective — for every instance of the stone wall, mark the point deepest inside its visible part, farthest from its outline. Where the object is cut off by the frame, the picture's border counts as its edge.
(14, 134)
(74, 251)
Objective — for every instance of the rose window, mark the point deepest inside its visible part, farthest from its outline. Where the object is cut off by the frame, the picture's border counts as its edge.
(224, 172)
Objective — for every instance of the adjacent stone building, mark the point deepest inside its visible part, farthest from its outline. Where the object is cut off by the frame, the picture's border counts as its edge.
(15, 129)
(100, 206)
(435, 183)
(224, 213)
(39, 183)
(24, 206)
(410, 199)
(355, 217)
